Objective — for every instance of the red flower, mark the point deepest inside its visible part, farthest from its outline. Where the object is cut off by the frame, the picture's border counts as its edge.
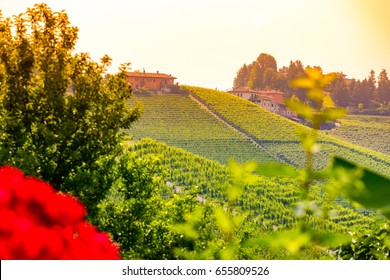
(38, 223)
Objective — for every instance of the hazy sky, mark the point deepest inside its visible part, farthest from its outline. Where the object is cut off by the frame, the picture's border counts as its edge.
(204, 42)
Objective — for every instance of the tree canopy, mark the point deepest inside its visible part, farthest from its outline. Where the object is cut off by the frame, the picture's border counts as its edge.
(372, 93)
(61, 115)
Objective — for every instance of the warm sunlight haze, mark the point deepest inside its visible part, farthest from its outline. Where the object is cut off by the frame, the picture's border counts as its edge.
(195, 130)
(205, 42)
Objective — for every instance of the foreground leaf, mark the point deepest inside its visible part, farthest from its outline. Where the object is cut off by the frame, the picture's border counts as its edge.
(376, 192)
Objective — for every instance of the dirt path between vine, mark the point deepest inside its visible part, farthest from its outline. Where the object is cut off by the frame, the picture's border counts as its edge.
(228, 124)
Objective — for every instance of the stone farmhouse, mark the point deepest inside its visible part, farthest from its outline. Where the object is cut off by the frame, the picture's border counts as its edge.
(271, 100)
(153, 82)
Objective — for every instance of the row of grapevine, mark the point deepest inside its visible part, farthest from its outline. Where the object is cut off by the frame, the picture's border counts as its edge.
(178, 121)
(278, 136)
(372, 132)
(268, 201)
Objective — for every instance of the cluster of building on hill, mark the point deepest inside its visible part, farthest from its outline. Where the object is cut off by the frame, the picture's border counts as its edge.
(160, 83)
(151, 82)
(271, 100)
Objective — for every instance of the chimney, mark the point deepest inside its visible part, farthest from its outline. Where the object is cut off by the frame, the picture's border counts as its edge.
(144, 70)
(157, 72)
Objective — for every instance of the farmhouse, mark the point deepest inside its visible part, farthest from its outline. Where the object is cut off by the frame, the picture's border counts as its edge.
(267, 102)
(277, 96)
(271, 100)
(154, 82)
(244, 92)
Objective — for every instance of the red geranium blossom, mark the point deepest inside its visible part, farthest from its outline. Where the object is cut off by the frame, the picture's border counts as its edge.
(36, 222)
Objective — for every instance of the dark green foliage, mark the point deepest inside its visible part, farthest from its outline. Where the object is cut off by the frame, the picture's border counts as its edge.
(142, 212)
(242, 77)
(374, 245)
(361, 185)
(132, 209)
(60, 118)
(383, 91)
(263, 74)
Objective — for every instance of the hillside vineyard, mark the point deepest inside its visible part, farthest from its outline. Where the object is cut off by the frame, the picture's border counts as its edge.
(179, 121)
(269, 201)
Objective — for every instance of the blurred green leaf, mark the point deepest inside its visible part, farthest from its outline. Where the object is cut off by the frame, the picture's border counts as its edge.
(308, 139)
(223, 220)
(316, 94)
(300, 108)
(277, 169)
(314, 73)
(328, 78)
(303, 83)
(327, 101)
(376, 192)
(332, 114)
(292, 240)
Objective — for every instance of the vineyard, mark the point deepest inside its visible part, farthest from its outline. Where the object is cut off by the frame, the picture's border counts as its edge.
(268, 201)
(178, 121)
(278, 136)
(92, 169)
(372, 132)
(199, 133)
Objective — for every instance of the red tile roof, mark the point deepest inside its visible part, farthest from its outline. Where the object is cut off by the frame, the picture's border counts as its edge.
(149, 75)
(270, 92)
(269, 98)
(242, 89)
(246, 89)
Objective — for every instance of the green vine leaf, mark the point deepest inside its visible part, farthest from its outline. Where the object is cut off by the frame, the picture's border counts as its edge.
(370, 190)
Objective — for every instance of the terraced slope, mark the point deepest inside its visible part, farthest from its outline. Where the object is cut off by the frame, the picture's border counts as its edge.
(179, 121)
(277, 135)
(269, 201)
(371, 132)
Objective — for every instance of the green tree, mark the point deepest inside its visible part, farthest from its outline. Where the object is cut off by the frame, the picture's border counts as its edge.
(262, 72)
(255, 77)
(361, 94)
(266, 61)
(295, 71)
(60, 116)
(371, 87)
(340, 92)
(270, 78)
(242, 77)
(383, 91)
